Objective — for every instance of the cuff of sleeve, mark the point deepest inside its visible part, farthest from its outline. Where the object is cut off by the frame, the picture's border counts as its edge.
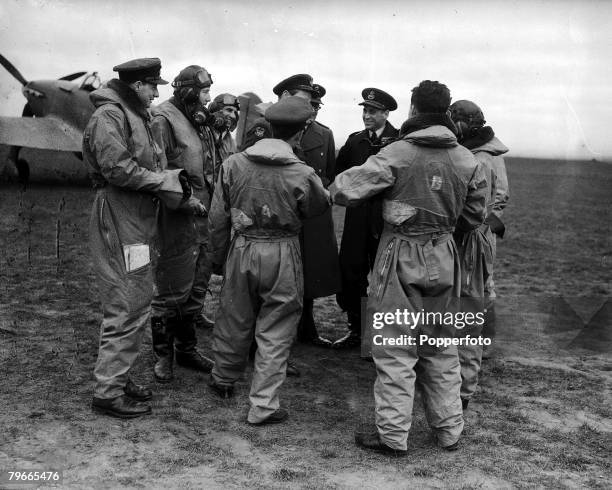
(171, 191)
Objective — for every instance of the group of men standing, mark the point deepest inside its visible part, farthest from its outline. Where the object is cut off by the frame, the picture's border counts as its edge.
(176, 202)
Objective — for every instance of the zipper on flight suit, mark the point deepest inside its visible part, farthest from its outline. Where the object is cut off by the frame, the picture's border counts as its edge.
(381, 273)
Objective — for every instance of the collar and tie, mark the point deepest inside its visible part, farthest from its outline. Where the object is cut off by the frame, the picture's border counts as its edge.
(374, 139)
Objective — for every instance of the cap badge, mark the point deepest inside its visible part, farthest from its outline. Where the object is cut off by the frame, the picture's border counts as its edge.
(371, 95)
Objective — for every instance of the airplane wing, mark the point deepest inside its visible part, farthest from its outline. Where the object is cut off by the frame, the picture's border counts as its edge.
(47, 133)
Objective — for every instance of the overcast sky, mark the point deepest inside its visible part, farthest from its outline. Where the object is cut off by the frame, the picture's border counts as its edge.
(540, 70)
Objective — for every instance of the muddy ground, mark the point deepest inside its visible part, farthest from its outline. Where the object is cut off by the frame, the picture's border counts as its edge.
(542, 416)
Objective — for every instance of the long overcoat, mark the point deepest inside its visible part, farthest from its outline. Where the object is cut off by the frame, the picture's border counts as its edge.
(319, 245)
(362, 224)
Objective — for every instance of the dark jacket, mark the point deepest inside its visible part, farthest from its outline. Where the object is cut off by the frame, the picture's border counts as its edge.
(319, 246)
(357, 149)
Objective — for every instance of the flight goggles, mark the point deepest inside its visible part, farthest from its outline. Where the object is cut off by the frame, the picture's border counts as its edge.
(231, 100)
(201, 79)
(224, 100)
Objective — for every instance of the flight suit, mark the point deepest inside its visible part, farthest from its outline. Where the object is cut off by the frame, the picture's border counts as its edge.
(182, 271)
(225, 145)
(261, 196)
(477, 251)
(126, 168)
(492, 152)
(426, 179)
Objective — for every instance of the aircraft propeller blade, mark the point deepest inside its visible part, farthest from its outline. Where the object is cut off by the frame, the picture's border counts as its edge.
(73, 76)
(12, 70)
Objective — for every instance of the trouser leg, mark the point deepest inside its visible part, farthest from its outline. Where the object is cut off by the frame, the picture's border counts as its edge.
(274, 336)
(120, 339)
(394, 395)
(307, 329)
(489, 329)
(174, 278)
(233, 330)
(126, 305)
(470, 358)
(182, 282)
(439, 377)
(197, 295)
(126, 312)
(280, 287)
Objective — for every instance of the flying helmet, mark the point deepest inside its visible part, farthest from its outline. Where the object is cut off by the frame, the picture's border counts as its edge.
(193, 76)
(467, 116)
(190, 81)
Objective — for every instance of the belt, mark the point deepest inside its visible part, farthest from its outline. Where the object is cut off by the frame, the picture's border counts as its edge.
(425, 238)
(267, 237)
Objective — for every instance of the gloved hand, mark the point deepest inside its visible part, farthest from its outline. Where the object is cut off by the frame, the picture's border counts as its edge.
(184, 180)
(197, 207)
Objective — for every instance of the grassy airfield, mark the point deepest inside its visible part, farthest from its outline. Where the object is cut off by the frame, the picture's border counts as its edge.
(542, 416)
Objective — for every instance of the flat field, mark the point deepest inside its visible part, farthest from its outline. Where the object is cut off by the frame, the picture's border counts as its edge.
(542, 416)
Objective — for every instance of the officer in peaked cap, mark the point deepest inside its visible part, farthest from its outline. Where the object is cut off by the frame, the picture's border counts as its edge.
(317, 95)
(362, 224)
(128, 168)
(320, 249)
(299, 85)
(380, 99)
(143, 69)
(301, 81)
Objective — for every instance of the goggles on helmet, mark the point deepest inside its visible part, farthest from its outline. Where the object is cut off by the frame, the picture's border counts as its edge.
(231, 100)
(201, 79)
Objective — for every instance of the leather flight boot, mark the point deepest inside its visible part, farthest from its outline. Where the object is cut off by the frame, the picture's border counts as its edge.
(163, 348)
(185, 345)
